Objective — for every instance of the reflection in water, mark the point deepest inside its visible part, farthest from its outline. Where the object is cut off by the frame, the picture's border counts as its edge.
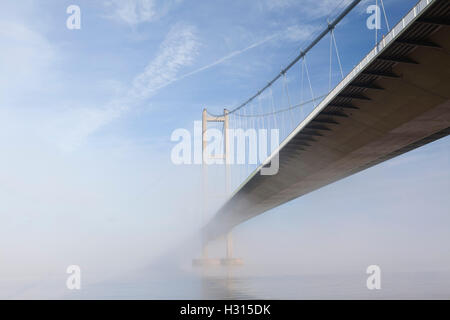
(236, 282)
(224, 284)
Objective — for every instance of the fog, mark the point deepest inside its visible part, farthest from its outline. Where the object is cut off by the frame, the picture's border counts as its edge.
(120, 212)
(86, 176)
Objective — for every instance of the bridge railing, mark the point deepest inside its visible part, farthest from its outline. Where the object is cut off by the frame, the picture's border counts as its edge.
(392, 35)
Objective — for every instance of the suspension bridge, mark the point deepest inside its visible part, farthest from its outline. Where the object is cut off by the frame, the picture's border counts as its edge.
(394, 100)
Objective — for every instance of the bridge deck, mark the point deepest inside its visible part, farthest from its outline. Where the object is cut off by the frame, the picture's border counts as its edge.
(395, 100)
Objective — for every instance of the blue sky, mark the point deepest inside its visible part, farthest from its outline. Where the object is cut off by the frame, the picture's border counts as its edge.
(86, 117)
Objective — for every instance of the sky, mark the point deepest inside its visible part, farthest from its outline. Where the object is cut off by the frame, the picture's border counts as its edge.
(86, 118)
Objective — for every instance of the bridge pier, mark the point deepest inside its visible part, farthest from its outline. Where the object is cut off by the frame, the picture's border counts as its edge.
(205, 260)
(229, 260)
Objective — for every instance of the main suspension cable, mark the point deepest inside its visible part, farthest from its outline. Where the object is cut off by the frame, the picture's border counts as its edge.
(240, 115)
(302, 54)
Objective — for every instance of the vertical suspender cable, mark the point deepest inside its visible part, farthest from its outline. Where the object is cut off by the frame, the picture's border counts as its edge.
(310, 85)
(337, 54)
(273, 109)
(331, 55)
(301, 88)
(385, 16)
(289, 100)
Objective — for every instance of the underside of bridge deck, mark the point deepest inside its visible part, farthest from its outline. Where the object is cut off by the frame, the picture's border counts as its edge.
(399, 102)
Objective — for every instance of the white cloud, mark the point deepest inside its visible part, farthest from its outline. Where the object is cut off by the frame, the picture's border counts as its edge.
(293, 33)
(226, 58)
(279, 4)
(178, 50)
(298, 33)
(27, 61)
(74, 125)
(311, 8)
(25, 55)
(133, 12)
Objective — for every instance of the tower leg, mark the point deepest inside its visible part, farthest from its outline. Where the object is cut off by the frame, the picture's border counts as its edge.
(205, 251)
(229, 240)
(229, 260)
(205, 260)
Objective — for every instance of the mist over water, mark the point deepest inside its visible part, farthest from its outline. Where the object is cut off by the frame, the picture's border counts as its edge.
(171, 276)
(306, 249)
(86, 181)
(166, 279)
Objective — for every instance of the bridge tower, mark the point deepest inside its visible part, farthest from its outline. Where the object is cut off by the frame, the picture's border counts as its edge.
(205, 260)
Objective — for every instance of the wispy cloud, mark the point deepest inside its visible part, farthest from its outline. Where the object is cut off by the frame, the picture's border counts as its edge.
(224, 58)
(297, 33)
(25, 56)
(178, 50)
(71, 125)
(133, 12)
(292, 33)
(311, 8)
